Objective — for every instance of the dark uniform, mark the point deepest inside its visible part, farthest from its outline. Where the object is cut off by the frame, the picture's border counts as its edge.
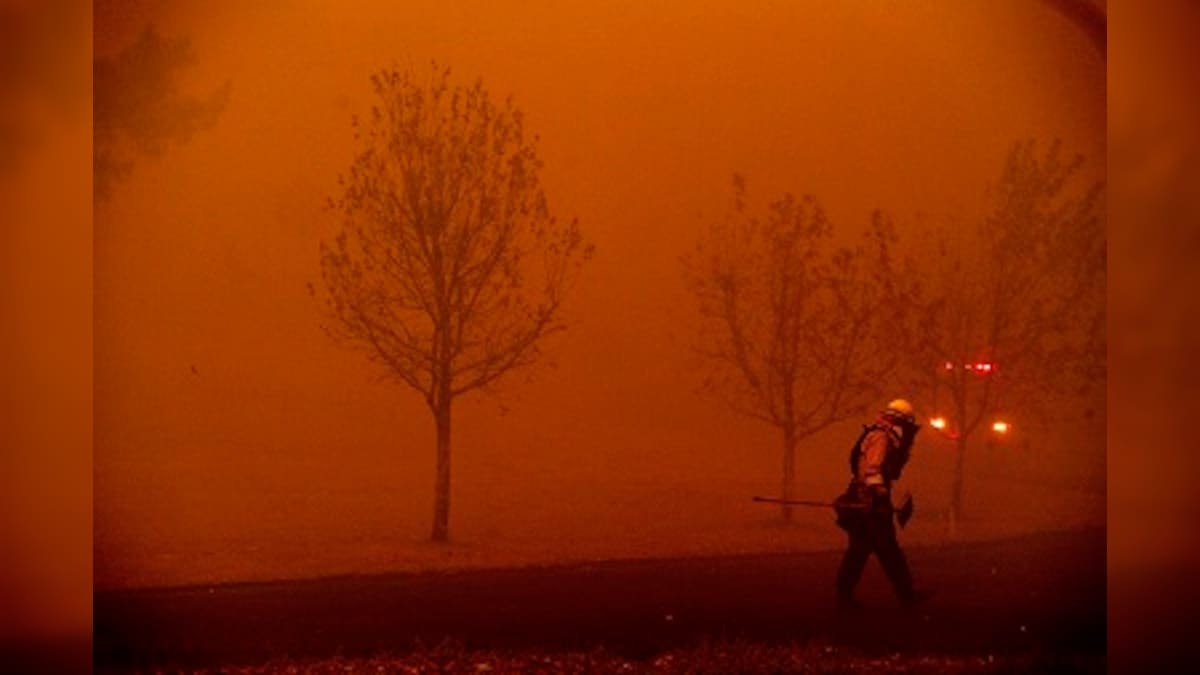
(876, 460)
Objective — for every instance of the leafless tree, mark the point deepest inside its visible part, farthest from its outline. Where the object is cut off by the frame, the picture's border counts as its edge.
(1013, 309)
(449, 269)
(795, 327)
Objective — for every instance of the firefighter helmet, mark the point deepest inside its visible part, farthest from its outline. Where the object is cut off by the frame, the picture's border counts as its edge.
(901, 409)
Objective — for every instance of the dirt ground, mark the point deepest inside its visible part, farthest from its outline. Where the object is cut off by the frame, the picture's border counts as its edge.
(1040, 594)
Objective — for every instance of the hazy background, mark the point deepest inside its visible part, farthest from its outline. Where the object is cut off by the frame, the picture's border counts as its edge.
(233, 440)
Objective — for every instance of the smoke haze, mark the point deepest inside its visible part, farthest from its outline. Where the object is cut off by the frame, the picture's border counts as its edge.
(234, 440)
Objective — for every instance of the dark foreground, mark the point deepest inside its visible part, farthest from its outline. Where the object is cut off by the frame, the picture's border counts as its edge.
(1041, 595)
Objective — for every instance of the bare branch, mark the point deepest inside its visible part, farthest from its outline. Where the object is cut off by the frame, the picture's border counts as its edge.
(791, 326)
(449, 269)
(1017, 288)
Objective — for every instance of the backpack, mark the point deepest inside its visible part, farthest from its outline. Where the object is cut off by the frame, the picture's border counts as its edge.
(897, 456)
(856, 449)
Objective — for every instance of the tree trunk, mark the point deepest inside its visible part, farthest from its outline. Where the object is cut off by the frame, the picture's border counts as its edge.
(789, 472)
(441, 486)
(956, 491)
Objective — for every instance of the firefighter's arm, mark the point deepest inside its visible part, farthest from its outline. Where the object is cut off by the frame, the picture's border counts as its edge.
(900, 455)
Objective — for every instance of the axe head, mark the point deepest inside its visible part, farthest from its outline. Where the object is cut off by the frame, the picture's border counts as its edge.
(904, 512)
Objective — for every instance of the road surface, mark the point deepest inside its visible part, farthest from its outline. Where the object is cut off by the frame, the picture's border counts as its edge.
(1041, 593)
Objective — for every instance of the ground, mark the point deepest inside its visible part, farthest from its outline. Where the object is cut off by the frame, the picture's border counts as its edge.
(1035, 602)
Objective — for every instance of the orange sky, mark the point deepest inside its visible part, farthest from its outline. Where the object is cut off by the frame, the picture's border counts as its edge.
(644, 111)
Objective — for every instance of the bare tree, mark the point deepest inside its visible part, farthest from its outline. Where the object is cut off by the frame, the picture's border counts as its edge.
(1013, 311)
(448, 270)
(794, 326)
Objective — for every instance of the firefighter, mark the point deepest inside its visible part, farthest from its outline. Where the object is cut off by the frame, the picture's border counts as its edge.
(876, 460)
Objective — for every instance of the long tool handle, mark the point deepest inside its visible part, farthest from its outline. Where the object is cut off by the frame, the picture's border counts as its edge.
(799, 502)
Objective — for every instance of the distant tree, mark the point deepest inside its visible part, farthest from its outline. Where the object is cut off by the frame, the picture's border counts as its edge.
(138, 110)
(1012, 315)
(448, 270)
(795, 327)
(1089, 16)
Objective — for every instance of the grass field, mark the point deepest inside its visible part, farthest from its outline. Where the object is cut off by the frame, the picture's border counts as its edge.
(571, 520)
